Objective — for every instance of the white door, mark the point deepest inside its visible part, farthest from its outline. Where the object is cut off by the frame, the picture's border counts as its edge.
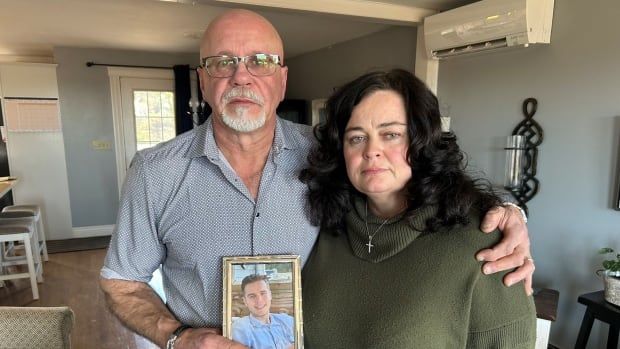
(147, 113)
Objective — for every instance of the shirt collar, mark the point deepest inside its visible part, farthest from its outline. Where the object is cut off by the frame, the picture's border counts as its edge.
(257, 323)
(204, 141)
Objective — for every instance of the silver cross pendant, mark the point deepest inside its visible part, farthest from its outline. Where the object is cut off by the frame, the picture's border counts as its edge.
(369, 244)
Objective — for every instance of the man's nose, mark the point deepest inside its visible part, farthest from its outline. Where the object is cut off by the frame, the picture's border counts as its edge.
(241, 76)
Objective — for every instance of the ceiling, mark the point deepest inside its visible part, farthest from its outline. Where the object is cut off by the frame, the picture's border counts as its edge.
(33, 27)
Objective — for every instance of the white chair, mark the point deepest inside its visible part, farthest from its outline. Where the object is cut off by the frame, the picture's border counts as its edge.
(35, 212)
(24, 233)
(9, 251)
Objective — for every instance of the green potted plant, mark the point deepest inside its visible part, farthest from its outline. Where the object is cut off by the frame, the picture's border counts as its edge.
(611, 275)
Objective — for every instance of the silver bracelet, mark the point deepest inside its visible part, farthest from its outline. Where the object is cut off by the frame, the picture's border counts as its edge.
(175, 335)
(508, 203)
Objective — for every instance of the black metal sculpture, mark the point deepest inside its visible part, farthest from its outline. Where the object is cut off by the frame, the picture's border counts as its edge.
(533, 135)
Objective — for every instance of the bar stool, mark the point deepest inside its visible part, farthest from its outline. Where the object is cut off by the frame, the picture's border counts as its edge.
(21, 230)
(599, 309)
(9, 254)
(8, 250)
(35, 212)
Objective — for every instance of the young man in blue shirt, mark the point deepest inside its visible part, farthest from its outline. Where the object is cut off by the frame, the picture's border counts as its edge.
(262, 329)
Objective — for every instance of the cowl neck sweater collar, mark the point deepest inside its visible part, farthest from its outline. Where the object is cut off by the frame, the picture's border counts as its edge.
(392, 238)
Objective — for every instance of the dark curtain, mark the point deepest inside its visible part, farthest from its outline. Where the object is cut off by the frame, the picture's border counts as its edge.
(182, 92)
(204, 110)
(294, 110)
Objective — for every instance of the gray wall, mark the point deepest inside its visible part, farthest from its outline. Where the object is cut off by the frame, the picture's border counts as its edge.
(87, 113)
(316, 74)
(86, 116)
(576, 80)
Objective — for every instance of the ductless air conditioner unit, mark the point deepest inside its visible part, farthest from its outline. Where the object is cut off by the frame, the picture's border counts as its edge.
(488, 25)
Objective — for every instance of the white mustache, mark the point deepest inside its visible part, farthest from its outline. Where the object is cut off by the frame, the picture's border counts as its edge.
(237, 92)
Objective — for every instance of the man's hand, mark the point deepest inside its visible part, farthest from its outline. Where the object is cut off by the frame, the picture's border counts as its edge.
(514, 249)
(139, 308)
(205, 338)
(142, 311)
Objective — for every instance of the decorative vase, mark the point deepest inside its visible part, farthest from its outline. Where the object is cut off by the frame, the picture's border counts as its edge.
(612, 289)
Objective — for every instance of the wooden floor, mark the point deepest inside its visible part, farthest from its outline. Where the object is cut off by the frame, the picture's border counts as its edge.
(72, 279)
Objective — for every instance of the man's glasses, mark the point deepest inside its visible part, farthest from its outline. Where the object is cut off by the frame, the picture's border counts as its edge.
(260, 64)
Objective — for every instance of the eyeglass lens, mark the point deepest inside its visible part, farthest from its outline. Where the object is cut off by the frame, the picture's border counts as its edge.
(258, 65)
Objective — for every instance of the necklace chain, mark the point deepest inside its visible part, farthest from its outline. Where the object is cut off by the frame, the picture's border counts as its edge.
(370, 236)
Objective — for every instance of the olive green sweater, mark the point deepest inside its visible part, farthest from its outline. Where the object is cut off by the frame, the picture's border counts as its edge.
(414, 290)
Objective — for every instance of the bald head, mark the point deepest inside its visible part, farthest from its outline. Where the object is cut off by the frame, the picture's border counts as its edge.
(243, 102)
(243, 26)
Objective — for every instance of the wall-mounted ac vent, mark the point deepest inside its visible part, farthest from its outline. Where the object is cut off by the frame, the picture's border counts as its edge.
(488, 25)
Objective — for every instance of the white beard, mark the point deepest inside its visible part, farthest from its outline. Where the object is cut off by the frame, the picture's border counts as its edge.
(240, 122)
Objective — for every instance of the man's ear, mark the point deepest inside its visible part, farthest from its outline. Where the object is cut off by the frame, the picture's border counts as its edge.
(201, 74)
(284, 72)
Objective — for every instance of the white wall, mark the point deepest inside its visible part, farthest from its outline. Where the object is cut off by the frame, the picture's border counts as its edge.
(36, 154)
(576, 80)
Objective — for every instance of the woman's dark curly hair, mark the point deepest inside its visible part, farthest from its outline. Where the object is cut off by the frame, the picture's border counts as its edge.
(438, 179)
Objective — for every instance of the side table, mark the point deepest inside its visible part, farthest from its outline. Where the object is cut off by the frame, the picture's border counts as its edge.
(598, 308)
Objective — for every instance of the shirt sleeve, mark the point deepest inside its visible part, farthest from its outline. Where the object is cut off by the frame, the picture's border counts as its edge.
(500, 316)
(135, 250)
(290, 323)
(240, 332)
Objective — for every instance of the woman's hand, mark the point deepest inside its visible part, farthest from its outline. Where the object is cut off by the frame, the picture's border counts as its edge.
(514, 249)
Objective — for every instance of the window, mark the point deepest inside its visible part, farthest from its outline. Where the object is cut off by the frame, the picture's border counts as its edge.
(154, 117)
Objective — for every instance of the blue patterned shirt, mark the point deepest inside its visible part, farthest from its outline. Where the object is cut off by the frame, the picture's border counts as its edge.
(182, 206)
(277, 334)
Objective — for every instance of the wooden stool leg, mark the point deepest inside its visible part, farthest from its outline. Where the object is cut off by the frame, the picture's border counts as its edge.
(31, 268)
(36, 256)
(1, 266)
(584, 331)
(612, 338)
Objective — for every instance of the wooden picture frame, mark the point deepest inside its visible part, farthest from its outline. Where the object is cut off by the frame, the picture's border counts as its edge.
(272, 290)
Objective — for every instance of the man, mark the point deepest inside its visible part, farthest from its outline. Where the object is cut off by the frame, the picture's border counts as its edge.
(262, 329)
(229, 187)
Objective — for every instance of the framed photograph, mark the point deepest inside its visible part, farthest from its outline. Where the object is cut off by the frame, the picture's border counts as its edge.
(262, 301)
(318, 111)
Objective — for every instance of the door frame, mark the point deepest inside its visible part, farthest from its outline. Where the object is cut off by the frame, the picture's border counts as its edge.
(115, 74)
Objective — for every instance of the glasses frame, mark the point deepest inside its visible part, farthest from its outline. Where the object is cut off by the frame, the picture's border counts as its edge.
(241, 59)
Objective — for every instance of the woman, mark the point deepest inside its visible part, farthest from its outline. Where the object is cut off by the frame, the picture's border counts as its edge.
(393, 266)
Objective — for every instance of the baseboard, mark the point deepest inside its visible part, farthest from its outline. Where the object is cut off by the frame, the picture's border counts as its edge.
(81, 244)
(92, 231)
